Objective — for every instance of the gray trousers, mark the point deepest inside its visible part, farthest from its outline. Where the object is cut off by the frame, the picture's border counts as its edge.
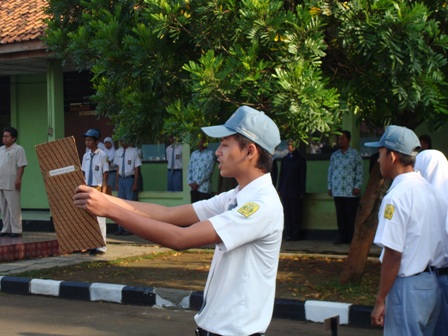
(11, 211)
(413, 306)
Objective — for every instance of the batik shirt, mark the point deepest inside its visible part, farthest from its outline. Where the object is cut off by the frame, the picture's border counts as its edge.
(200, 169)
(345, 173)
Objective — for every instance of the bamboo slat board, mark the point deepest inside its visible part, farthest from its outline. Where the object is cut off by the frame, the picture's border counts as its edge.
(75, 228)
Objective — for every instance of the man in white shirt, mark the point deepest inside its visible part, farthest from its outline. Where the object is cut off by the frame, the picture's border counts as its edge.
(12, 165)
(245, 224)
(411, 231)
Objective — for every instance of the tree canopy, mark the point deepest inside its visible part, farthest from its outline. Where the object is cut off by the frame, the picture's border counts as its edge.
(173, 66)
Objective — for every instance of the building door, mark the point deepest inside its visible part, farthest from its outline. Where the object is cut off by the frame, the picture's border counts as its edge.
(79, 112)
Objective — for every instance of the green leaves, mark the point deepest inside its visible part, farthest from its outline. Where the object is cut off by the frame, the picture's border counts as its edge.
(174, 66)
(304, 101)
(397, 63)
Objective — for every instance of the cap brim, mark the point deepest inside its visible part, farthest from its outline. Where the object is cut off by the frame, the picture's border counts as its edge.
(219, 131)
(373, 144)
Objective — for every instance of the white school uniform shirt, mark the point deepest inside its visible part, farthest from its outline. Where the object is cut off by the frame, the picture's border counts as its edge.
(131, 160)
(177, 155)
(10, 160)
(99, 166)
(412, 222)
(240, 290)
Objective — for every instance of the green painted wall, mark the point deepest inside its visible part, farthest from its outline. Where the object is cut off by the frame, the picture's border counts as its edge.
(37, 113)
(154, 176)
(439, 137)
(55, 101)
(155, 181)
(29, 116)
(319, 210)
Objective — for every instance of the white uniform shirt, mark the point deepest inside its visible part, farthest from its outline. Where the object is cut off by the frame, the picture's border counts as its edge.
(10, 160)
(240, 288)
(99, 166)
(411, 221)
(131, 160)
(174, 156)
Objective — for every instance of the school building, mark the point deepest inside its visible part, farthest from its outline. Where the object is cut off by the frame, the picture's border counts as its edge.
(47, 100)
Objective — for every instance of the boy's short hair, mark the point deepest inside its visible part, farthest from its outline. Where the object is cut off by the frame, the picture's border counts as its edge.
(405, 160)
(264, 162)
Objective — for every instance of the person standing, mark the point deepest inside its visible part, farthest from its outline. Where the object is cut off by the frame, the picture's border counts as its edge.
(292, 189)
(95, 168)
(12, 165)
(109, 149)
(200, 170)
(345, 176)
(433, 166)
(425, 142)
(411, 233)
(175, 165)
(245, 224)
(128, 163)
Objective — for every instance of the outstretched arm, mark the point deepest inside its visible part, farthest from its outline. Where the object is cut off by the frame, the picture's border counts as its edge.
(174, 227)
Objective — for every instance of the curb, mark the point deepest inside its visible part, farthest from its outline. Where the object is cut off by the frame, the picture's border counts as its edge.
(310, 310)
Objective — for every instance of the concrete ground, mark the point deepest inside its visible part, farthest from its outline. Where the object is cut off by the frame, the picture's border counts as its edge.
(41, 316)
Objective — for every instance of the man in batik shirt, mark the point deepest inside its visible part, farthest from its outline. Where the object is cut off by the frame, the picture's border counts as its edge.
(345, 176)
(200, 170)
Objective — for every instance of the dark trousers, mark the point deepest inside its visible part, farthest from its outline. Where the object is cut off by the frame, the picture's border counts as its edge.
(125, 192)
(174, 180)
(198, 196)
(292, 210)
(346, 209)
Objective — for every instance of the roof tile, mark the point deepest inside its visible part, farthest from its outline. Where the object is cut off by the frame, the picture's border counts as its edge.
(21, 20)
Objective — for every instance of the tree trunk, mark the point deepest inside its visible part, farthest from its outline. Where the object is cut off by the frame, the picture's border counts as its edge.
(365, 227)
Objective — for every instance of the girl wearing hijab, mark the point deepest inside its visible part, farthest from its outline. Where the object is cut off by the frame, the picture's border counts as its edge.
(433, 166)
(110, 152)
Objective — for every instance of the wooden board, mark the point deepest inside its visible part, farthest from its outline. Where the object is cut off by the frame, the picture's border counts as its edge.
(76, 229)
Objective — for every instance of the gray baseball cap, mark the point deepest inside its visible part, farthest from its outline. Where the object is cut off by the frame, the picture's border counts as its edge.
(399, 139)
(250, 123)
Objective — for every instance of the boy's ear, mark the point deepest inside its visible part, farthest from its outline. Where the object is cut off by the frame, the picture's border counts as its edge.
(393, 156)
(251, 149)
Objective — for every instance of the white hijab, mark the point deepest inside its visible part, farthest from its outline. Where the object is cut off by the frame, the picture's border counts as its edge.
(109, 152)
(433, 166)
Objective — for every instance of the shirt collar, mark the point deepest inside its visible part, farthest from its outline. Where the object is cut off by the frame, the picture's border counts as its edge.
(257, 184)
(403, 177)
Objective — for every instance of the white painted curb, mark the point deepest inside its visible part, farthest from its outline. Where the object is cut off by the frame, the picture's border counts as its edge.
(105, 292)
(319, 311)
(45, 287)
